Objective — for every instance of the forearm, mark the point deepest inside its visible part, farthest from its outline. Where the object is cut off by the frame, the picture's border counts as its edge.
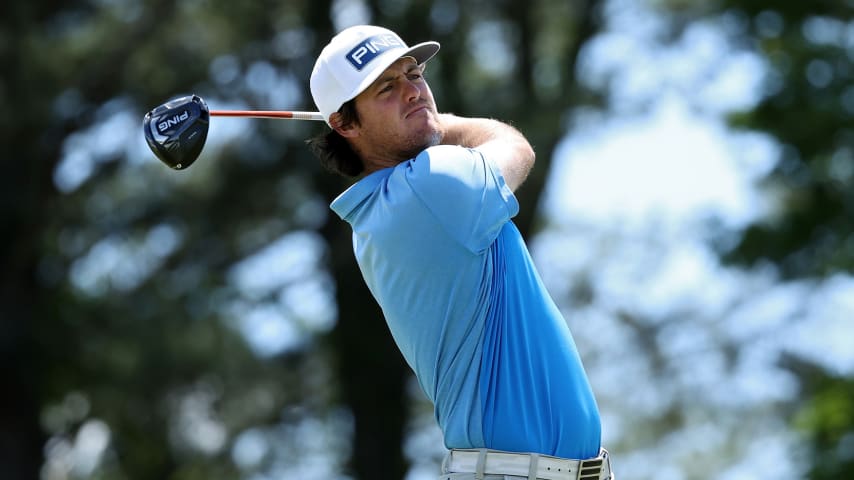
(505, 145)
(474, 132)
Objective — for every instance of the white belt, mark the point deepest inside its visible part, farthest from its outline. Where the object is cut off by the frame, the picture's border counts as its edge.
(531, 465)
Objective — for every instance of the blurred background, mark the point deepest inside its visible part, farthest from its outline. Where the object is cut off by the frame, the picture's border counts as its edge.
(691, 211)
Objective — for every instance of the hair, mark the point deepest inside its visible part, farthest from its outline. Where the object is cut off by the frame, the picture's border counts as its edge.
(333, 150)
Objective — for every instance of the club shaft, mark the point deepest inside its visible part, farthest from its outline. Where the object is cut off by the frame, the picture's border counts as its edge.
(268, 114)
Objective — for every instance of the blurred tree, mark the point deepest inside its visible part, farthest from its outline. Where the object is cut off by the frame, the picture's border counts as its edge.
(805, 108)
(826, 417)
(115, 284)
(133, 342)
(808, 107)
(157, 324)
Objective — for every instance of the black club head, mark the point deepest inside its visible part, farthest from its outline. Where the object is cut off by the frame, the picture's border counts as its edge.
(176, 131)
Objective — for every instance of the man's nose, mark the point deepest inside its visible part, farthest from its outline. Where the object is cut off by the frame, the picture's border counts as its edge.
(411, 90)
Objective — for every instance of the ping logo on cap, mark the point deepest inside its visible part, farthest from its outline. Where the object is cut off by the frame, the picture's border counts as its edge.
(371, 48)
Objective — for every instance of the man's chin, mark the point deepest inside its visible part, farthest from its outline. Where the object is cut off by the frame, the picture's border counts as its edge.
(429, 140)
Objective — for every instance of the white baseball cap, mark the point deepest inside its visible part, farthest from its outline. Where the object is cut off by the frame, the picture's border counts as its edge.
(353, 59)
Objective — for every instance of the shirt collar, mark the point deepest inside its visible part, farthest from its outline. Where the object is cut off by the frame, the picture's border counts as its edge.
(351, 198)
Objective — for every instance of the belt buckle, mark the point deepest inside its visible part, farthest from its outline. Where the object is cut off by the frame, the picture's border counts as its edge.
(590, 469)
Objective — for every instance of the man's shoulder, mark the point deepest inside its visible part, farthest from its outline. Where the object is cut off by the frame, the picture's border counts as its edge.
(443, 163)
(443, 153)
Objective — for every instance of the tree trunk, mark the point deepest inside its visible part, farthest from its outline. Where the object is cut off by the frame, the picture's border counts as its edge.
(371, 370)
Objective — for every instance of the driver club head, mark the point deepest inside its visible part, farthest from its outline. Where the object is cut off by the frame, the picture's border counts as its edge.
(176, 131)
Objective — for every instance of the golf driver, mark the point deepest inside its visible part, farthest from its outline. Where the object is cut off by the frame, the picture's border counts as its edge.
(176, 131)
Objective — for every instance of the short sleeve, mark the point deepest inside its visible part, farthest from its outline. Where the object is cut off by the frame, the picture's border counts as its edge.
(464, 191)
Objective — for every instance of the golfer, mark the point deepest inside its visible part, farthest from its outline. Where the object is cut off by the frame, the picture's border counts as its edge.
(431, 215)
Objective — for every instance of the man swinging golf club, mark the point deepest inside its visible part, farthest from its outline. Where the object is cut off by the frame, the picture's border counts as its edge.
(432, 233)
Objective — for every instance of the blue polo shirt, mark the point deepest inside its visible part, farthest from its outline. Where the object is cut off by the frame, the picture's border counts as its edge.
(466, 307)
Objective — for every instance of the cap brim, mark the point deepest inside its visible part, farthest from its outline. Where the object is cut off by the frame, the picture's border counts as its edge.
(422, 52)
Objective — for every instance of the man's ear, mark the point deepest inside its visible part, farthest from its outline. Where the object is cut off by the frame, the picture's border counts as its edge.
(346, 131)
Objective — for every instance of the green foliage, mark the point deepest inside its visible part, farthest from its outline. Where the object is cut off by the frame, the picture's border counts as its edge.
(809, 108)
(122, 310)
(124, 315)
(826, 418)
